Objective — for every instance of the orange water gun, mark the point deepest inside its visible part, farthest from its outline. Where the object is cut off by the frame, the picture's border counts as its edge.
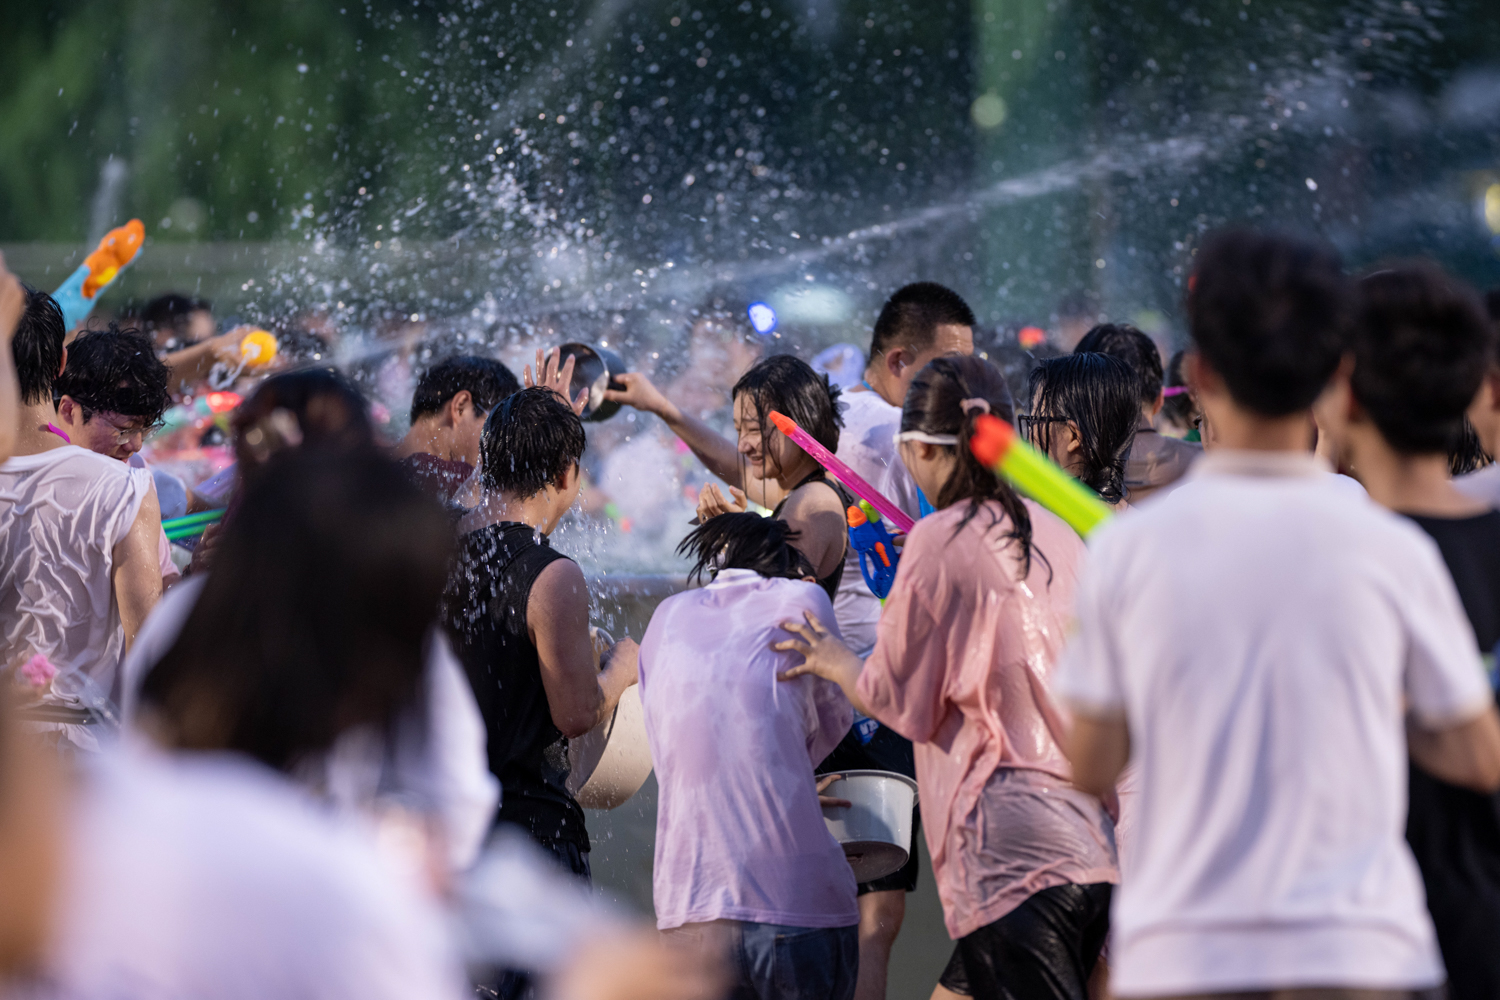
(78, 295)
(998, 448)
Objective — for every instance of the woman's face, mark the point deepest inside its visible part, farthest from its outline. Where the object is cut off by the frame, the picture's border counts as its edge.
(930, 466)
(1060, 437)
(765, 457)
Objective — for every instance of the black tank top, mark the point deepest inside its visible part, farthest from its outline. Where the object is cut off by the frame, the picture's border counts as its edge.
(830, 582)
(485, 610)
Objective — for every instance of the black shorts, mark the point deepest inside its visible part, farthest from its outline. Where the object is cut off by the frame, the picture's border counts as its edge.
(887, 750)
(1044, 949)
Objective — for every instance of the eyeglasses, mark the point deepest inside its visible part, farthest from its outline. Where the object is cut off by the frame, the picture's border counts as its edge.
(1027, 424)
(130, 428)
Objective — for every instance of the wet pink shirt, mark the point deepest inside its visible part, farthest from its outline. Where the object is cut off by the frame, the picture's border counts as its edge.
(963, 656)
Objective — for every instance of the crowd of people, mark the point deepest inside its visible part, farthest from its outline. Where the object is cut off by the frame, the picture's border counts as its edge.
(1241, 742)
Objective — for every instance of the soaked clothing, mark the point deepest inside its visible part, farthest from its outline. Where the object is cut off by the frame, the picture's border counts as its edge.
(1044, 949)
(439, 478)
(962, 667)
(485, 611)
(829, 583)
(1454, 832)
(1156, 461)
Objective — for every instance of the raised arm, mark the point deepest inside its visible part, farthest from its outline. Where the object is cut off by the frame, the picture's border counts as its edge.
(557, 616)
(714, 450)
(137, 570)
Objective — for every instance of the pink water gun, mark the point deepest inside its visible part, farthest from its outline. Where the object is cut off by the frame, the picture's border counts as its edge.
(895, 515)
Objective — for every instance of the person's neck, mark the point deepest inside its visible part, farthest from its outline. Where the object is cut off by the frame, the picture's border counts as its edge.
(427, 437)
(799, 470)
(33, 438)
(1236, 428)
(537, 510)
(1410, 484)
(882, 382)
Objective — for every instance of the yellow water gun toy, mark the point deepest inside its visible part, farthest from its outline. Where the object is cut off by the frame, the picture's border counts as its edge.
(77, 296)
(998, 447)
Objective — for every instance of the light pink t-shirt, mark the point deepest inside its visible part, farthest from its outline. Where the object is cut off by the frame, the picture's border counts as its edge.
(962, 667)
(739, 833)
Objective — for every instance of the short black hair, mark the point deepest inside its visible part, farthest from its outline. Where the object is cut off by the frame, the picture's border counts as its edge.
(1422, 344)
(745, 541)
(485, 379)
(1098, 393)
(793, 388)
(911, 316)
(115, 371)
(171, 311)
(1270, 313)
(529, 440)
(1130, 345)
(37, 346)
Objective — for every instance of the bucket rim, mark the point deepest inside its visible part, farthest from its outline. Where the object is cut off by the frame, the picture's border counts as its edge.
(874, 773)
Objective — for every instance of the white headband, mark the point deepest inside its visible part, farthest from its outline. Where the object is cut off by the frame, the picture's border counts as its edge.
(947, 439)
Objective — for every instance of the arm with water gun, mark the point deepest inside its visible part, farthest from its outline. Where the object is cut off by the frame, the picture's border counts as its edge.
(77, 296)
(998, 447)
(877, 552)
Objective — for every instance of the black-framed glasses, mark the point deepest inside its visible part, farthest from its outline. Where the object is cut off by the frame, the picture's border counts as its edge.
(1027, 424)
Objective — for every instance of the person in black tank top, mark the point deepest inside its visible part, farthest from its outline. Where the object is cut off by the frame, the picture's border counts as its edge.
(517, 612)
(1422, 346)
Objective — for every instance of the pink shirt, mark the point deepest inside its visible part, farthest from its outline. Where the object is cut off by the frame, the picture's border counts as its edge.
(961, 667)
(739, 833)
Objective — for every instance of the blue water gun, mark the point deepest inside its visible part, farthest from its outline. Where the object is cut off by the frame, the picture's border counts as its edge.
(877, 553)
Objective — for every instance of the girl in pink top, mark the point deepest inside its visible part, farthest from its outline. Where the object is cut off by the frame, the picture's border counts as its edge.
(964, 652)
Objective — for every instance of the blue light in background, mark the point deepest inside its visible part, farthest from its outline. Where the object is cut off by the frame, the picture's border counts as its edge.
(762, 317)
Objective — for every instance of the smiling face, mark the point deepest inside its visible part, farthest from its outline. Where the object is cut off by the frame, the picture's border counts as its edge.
(765, 456)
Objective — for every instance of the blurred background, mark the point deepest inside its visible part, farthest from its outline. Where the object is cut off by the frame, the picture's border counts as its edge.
(407, 178)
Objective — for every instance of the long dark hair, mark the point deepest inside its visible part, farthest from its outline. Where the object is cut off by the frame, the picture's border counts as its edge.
(790, 386)
(1097, 394)
(935, 405)
(316, 616)
(745, 541)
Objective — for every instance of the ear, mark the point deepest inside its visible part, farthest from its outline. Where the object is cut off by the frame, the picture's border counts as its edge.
(64, 363)
(1074, 443)
(67, 409)
(568, 478)
(457, 407)
(1161, 399)
(897, 359)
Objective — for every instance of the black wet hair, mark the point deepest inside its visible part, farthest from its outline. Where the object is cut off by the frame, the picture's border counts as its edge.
(171, 311)
(1270, 314)
(315, 408)
(115, 371)
(791, 387)
(1130, 345)
(1178, 408)
(1422, 344)
(317, 616)
(529, 441)
(934, 406)
(486, 380)
(1098, 394)
(745, 541)
(37, 346)
(910, 318)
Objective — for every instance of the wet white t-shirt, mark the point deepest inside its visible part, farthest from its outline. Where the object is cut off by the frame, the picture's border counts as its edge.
(62, 512)
(202, 876)
(867, 445)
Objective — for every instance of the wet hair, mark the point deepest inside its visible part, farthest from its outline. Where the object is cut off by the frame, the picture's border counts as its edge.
(934, 406)
(316, 408)
(316, 617)
(790, 386)
(486, 380)
(745, 541)
(1130, 345)
(115, 371)
(529, 441)
(37, 346)
(1178, 408)
(1422, 344)
(171, 311)
(911, 316)
(1270, 313)
(1097, 393)
(1468, 455)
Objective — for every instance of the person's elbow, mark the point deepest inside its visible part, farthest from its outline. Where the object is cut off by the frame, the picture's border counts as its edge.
(575, 720)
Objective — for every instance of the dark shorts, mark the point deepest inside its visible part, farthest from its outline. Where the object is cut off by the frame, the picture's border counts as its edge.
(886, 751)
(1044, 949)
(775, 962)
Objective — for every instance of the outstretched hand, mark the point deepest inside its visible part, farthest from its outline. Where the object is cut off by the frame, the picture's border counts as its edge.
(822, 656)
(555, 374)
(639, 392)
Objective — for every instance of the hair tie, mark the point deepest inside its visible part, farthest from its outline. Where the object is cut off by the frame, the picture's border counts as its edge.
(974, 403)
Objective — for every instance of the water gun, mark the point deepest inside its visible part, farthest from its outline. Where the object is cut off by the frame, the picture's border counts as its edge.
(997, 446)
(210, 404)
(258, 348)
(178, 528)
(77, 296)
(895, 515)
(877, 553)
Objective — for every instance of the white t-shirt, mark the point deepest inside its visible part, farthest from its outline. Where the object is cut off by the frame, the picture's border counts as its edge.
(208, 877)
(867, 445)
(1264, 630)
(62, 512)
(437, 765)
(1483, 485)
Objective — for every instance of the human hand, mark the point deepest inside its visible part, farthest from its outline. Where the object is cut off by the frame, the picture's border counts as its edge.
(225, 347)
(828, 801)
(711, 502)
(624, 655)
(203, 552)
(559, 379)
(640, 393)
(636, 965)
(12, 302)
(822, 654)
